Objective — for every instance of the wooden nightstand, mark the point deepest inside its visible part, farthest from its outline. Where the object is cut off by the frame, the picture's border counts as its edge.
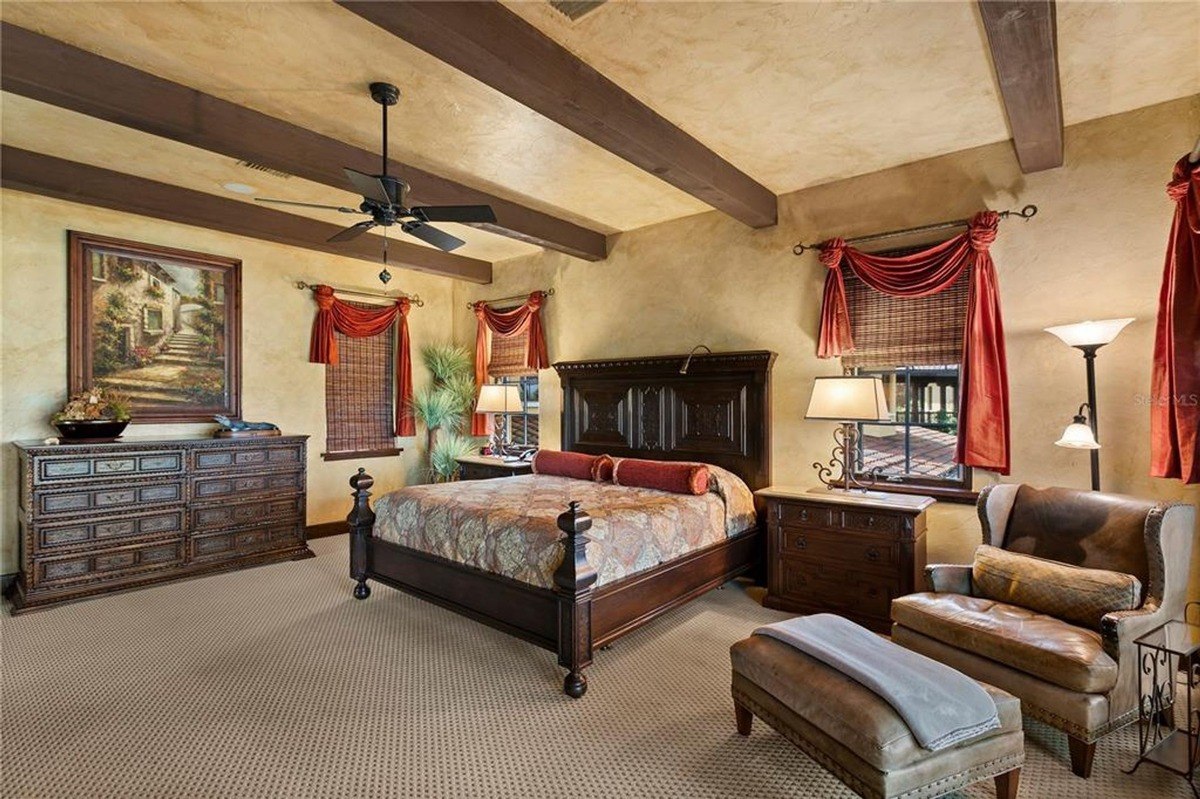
(843, 553)
(485, 467)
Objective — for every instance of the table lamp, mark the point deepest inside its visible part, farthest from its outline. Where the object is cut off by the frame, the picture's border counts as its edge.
(1088, 337)
(849, 400)
(500, 400)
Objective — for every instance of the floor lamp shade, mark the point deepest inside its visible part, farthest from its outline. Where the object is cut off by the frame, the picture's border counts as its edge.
(848, 399)
(1090, 334)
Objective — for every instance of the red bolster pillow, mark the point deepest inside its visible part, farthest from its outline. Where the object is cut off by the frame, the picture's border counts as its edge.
(564, 464)
(674, 476)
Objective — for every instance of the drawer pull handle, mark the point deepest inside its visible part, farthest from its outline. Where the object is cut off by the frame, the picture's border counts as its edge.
(801, 542)
(872, 554)
(870, 521)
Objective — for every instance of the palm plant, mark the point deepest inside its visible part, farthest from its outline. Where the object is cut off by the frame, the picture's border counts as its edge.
(445, 405)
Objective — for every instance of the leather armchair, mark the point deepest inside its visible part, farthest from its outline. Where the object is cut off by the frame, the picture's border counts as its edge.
(1079, 680)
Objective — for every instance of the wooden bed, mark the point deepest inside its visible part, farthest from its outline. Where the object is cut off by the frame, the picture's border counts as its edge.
(718, 412)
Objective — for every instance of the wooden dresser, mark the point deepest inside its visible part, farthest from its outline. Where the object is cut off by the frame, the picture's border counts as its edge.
(844, 553)
(95, 518)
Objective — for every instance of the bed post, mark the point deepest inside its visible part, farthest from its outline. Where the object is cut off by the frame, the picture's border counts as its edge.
(573, 581)
(361, 520)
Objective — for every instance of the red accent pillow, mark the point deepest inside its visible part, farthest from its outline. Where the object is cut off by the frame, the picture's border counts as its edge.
(564, 464)
(602, 469)
(675, 476)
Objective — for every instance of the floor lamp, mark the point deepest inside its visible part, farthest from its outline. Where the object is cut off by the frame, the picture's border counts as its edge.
(1088, 337)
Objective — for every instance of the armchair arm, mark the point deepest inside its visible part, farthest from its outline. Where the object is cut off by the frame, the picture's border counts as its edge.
(948, 578)
(1119, 629)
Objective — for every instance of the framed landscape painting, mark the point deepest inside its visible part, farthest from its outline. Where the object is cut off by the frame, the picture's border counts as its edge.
(160, 325)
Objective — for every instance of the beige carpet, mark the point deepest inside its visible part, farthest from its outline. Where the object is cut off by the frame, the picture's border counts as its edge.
(274, 682)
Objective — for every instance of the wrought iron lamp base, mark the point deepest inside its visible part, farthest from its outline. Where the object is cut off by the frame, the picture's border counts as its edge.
(843, 457)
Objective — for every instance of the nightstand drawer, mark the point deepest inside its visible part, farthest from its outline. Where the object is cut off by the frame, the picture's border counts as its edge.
(839, 590)
(867, 552)
(871, 522)
(805, 514)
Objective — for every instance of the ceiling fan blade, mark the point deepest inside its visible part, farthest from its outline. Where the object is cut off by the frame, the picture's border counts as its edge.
(341, 208)
(431, 235)
(455, 213)
(368, 186)
(353, 231)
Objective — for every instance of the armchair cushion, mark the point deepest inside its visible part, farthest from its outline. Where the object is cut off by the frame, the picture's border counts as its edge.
(1071, 593)
(1048, 648)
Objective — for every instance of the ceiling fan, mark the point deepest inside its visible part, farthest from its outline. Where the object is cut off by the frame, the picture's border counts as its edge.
(385, 200)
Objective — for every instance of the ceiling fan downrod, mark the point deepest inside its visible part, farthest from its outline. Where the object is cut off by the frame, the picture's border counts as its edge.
(386, 95)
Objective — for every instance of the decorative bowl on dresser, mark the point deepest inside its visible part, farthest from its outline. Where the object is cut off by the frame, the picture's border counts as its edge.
(485, 467)
(96, 518)
(844, 552)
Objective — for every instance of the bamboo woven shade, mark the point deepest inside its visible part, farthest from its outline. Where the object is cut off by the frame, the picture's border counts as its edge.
(523, 428)
(905, 331)
(510, 356)
(359, 394)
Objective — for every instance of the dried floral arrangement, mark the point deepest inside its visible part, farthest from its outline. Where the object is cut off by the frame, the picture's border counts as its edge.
(95, 404)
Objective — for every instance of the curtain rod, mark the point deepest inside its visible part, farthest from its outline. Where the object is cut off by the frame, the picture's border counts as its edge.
(1025, 213)
(413, 298)
(546, 293)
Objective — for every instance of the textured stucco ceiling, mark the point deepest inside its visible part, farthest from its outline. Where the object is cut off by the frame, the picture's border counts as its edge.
(794, 94)
(799, 93)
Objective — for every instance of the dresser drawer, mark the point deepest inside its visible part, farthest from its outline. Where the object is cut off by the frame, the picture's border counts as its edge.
(114, 497)
(836, 589)
(216, 517)
(258, 456)
(810, 515)
(50, 469)
(865, 551)
(233, 487)
(108, 563)
(235, 543)
(54, 536)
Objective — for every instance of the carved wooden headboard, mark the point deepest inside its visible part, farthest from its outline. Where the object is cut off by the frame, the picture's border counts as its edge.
(719, 412)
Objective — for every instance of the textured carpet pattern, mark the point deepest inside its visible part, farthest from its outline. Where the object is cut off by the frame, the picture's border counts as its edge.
(274, 682)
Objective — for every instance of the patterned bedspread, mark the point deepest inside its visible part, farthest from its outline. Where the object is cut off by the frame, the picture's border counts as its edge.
(506, 525)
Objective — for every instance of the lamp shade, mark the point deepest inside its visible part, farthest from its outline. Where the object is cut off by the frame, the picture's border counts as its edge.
(1078, 435)
(1090, 334)
(498, 399)
(848, 399)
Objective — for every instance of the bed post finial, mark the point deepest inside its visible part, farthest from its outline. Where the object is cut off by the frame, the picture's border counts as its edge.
(361, 520)
(573, 581)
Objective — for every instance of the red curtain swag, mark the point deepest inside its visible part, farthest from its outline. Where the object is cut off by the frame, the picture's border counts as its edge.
(351, 320)
(526, 319)
(983, 429)
(1175, 384)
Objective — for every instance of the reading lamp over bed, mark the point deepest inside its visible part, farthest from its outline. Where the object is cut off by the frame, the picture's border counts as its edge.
(688, 361)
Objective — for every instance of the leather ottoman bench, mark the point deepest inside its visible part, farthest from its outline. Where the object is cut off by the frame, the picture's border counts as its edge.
(857, 736)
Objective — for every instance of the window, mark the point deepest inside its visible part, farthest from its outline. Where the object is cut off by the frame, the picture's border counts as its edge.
(359, 397)
(152, 320)
(98, 271)
(920, 447)
(523, 426)
(915, 346)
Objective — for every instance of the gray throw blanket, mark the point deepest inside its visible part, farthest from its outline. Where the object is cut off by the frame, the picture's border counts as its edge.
(940, 706)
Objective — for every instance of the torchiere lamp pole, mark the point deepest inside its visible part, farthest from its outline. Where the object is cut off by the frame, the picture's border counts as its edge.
(1090, 337)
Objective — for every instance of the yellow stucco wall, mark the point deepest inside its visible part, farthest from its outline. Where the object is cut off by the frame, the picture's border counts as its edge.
(1095, 250)
(278, 383)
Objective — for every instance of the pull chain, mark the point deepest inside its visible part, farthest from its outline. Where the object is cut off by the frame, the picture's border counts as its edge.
(385, 275)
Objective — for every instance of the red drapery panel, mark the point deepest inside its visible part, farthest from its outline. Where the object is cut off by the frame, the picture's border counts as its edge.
(983, 429)
(349, 320)
(527, 319)
(1175, 385)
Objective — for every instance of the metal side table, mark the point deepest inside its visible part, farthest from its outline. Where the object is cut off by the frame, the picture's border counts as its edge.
(1168, 676)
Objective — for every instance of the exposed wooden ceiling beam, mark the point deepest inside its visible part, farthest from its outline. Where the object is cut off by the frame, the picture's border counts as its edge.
(495, 46)
(1023, 39)
(57, 73)
(67, 180)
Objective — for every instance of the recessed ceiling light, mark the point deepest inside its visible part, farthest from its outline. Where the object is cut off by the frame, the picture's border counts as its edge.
(238, 188)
